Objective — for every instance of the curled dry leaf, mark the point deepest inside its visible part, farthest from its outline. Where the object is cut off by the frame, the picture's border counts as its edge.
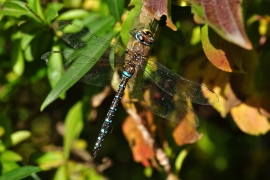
(225, 17)
(157, 8)
(248, 118)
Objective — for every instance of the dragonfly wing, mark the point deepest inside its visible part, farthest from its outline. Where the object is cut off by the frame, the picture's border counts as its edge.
(97, 72)
(159, 102)
(79, 38)
(175, 85)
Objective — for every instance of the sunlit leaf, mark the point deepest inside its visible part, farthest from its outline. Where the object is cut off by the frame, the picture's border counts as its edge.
(73, 14)
(20, 136)
(222, 54)
(248, 118)
(129, 21)
(48, 160)
(180, 159)
(17, 57)
(10, 156)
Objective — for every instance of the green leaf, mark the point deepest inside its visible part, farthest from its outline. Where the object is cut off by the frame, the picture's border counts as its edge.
(36, 6)
(17, 57)
(73, 127)
(116, 7)
(19, 136)
(7, 166)
(55, 76)
(52, 11)
(72, 3)
(26, 39)
(73, 14)
(20, 173)
(66, 82)
(101, 25)
(28, 54)
(15, 9)
(180, 159)
(61, 173)
(48, 160)
(129, 21)
(10, 156)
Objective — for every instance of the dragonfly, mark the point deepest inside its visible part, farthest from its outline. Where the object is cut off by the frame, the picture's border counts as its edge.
(149, 83)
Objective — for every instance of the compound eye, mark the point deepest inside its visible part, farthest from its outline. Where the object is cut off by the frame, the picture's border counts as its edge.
(141, 38)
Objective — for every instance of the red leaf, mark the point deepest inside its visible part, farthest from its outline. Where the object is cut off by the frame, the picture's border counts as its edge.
(225, 17)
(157, 8)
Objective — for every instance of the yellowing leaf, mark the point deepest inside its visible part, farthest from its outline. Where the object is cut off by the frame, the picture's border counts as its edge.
(248, 118)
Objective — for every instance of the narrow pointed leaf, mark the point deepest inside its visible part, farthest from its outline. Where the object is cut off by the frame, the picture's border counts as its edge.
(66, 82)
(20, 173)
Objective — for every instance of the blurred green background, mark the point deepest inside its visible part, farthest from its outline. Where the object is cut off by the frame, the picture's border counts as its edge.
(59, 138)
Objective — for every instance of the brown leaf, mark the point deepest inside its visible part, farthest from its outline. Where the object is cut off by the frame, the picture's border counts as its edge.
(248, 118)
(157, 8)
(184, 134)
(225, 17)
(222, 54)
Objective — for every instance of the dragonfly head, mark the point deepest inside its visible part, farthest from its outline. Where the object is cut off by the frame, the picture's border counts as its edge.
(145, 37)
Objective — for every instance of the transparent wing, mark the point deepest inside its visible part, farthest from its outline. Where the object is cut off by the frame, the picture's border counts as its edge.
(79, 38)
(159, 102)
(175, 85)
(101, 71)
